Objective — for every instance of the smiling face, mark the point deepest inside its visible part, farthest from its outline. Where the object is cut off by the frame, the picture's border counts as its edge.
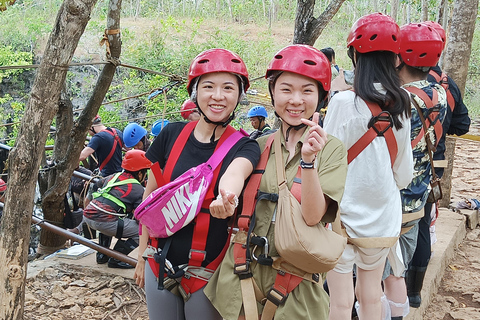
(295, 97)
(217, 95)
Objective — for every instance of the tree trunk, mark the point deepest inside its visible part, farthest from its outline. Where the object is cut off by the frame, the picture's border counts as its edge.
(394, 9)
(459, 44)
(424, 10)
(24, 158)
(307, 28)
(441, 11)
(71, 137)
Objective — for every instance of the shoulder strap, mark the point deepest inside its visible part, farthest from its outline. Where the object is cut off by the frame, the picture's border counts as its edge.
(251, 190)
(433, 113)
(177, 149)
(380, 125)
(443, 81)
(116, 140)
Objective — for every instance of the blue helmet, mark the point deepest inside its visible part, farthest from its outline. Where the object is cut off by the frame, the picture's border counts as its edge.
(157, 126)
(132, 134)
(257, 111)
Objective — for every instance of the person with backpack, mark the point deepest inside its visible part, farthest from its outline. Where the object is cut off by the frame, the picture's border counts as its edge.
(136, 137)
(373, 123)
(420, 49)
(456, 122)
(314, 165)
(257, 115)
(176, 268)
(111, 209)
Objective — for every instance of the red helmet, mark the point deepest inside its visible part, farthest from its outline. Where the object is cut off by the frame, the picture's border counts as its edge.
(437, 27)
(188, 107)
(3, 185)
(217, 60)
(374, 32)
(420, 45)
(305, 60)
(135, 160)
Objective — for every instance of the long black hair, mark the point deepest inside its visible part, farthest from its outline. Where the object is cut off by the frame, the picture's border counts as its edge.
(379, 67)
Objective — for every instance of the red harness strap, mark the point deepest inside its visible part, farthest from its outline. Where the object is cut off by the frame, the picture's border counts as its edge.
(116, 140)
(443, 81)
(380, 125)
(433, 114)
(202, 222)
(284, 282)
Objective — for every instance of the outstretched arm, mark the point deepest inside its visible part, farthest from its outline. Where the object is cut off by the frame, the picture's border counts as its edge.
(230, 186)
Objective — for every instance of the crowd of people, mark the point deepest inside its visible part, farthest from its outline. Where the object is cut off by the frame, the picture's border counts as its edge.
(363, 169)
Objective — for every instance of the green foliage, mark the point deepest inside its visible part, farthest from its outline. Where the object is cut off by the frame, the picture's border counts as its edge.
(9, 57)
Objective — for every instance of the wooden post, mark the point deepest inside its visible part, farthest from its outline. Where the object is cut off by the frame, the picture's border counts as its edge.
(447, 175)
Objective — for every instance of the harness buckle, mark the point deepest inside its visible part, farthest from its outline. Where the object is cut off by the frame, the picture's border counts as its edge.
(183, 293)
(197, 255)
(383, 116)
(242, 270)
(276, 297)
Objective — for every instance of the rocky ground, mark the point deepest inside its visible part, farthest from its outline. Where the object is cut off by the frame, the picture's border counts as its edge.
(64, 292)
(458, 296)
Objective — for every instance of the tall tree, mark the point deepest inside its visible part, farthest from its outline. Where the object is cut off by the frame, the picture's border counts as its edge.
(70, 135)
(459, 44)
(24, 159)
(307, 27)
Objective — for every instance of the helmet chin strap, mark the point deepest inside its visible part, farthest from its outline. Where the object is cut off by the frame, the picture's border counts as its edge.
(300, 126)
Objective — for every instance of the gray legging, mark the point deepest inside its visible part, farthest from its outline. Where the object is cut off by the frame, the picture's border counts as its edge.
(164, 305)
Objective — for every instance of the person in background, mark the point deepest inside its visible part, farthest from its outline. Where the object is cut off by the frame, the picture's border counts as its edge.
(107, 145)
(371, 206)
(189, 111)
(298, 79)
(257, 115)
(420, 49)
(330, 54)
(157, 126)
(111, 210)
(456, 122)
(135, 136)
(3, 189)
(217, 82)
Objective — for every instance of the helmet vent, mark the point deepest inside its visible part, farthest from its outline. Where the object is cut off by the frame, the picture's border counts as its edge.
(409, 50)
(203, 61)
(278, 56)
(423, 55)
(394, 38)
(236, 61)
(373, 37)
(310, 62)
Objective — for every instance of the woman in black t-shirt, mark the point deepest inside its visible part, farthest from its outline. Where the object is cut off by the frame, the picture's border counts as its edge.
(217, 81)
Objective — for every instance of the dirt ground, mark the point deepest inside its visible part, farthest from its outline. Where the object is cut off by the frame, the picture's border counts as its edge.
(64, 292)
(458, 296)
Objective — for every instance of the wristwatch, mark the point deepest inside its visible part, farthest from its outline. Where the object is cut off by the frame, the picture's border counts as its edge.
(308, 165)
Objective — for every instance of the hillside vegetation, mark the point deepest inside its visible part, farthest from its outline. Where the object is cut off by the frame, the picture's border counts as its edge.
(164, 36)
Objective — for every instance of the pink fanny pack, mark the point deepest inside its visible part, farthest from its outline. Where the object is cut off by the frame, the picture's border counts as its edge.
(175, 204)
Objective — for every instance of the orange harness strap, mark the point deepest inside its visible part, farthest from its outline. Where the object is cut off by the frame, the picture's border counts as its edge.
(433, 114)
(443, 81)
(197, 253)
(380, 125)
(284, 282)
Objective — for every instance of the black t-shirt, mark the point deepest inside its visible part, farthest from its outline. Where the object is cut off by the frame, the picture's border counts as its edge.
(102, 143)
(195, 153)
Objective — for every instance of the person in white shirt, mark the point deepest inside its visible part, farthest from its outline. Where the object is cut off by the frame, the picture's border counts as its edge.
(371, 205)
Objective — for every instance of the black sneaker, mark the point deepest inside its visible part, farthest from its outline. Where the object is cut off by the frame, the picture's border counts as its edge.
(114, 263)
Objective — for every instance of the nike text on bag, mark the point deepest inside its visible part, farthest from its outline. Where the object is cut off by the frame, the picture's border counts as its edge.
(314, 249)
(174, 205)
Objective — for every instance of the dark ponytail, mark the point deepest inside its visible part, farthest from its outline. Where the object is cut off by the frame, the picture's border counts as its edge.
(379, 67)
